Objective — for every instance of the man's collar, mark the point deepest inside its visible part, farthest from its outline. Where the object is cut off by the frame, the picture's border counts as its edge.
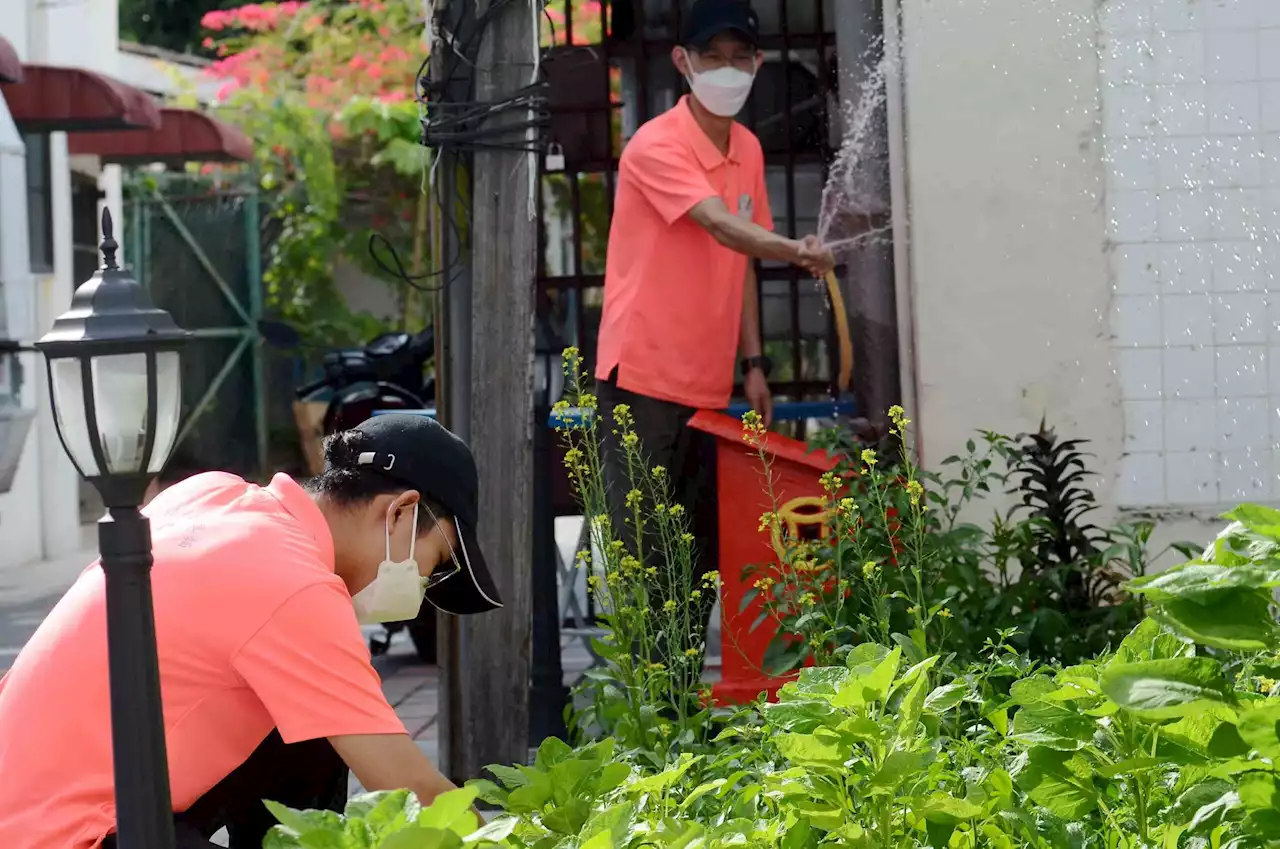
(299, 503)
(704, 148)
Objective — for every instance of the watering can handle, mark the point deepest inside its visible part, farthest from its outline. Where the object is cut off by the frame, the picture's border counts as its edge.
(842, 332)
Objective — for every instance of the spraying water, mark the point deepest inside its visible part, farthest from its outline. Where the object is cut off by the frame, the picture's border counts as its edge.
(853, 196)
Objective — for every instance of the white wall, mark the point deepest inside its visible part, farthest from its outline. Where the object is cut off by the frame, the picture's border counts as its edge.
(1094, 196)
(40, 516)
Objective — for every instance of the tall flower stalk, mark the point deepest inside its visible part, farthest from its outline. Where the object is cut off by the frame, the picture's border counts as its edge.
(649, 692)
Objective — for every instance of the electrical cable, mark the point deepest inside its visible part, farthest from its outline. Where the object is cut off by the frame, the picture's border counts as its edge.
(455, 127)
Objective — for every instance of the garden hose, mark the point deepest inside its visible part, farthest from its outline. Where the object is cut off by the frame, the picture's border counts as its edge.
(842, 331)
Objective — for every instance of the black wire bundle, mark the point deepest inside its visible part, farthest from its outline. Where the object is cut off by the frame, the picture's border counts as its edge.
(453, 127)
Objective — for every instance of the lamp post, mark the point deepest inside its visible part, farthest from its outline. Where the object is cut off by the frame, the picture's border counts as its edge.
(114, 381)
(547, 693)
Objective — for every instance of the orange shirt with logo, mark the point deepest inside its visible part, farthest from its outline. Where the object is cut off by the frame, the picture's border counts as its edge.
(254, 630)
(672, 293)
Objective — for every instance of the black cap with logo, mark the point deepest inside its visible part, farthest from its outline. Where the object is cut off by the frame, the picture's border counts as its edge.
(420, 453)
(709, 18)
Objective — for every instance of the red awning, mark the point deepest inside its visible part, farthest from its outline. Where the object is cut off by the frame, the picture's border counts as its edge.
(52, 99)
(10, 64)
(184, 135)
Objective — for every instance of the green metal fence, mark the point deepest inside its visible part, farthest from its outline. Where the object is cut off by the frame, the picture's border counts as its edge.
(199, 253)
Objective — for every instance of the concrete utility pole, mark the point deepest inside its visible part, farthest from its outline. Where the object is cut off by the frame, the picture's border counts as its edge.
(486, 675)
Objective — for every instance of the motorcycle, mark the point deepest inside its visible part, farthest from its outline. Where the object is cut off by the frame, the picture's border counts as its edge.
(388, 373)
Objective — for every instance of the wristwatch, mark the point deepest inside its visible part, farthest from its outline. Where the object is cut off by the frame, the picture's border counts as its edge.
(759, 361)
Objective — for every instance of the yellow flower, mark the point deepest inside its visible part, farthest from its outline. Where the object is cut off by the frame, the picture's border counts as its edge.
(868, 456)
(651, 571)
(593, 582)
(763, 583)
(669, 606)
(869, 569)
(587, 401)
(899, 418)
(633, 498)
(686, 538)
(767, 520)
(711, 578)
(622, 415)
(915, 490)
(830, 482)
(690, 652)
(658, 472)
(846, 506)
(752, 427)
(695, 595)
(629, 563)
(945, 613)
(630, 440)
(807, 599)
(676, 510)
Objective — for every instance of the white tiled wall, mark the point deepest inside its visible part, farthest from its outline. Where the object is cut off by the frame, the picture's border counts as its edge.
(1191, 133)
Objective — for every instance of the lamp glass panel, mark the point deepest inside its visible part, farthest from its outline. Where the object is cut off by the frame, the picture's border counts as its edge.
(120, 403)
(168, 407)
(70, 414)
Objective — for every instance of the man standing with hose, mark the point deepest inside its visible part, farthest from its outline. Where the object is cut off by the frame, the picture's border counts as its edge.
(680, 293)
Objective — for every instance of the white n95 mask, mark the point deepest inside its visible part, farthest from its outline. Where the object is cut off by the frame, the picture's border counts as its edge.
(396, 593)
(723, 91)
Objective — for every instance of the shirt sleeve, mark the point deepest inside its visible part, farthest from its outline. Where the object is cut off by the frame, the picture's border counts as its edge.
(310, 667)
(668, 176)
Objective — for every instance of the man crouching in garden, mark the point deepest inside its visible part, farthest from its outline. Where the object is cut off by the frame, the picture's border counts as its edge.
(266, 682)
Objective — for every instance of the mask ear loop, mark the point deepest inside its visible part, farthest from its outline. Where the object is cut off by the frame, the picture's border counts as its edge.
(413, 531)
(413, 536)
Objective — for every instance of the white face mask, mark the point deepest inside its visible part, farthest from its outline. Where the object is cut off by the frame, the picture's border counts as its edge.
(721, 92)
(396, 594)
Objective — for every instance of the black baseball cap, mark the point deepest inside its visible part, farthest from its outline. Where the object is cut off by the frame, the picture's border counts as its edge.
(419, 452)
(709, 18)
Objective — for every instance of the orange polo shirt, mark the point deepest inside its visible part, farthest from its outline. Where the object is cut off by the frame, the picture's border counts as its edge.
(255, 631)
(672, 293)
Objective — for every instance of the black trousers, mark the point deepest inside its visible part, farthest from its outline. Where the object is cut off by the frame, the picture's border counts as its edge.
(689, 456)
(300, 775)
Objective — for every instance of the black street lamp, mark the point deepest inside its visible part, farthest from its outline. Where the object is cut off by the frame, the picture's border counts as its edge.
(114, 381)
(547, 693)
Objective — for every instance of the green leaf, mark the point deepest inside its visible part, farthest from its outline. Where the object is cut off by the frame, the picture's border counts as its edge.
(1163, 689)
(1231, 619)
(552, 751)
(819, 680)
(509, 776)
(807, 750)
(1227, 743)
(868, 682)
(944, 808)
(1260, 729)
(302, 822)
(568, 818)
(417, 837)
(494, 831)
(487, 791)
(945, 697)
(1059, 781)
(660, 782)
(384, 811)
(1150, 640)
(1196, 581)
(611, 776)
(896, 767)
(800, 715)
(1196, 797)
(1259, 790)
(451, 811)
(912, 706)
(1261, 520)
